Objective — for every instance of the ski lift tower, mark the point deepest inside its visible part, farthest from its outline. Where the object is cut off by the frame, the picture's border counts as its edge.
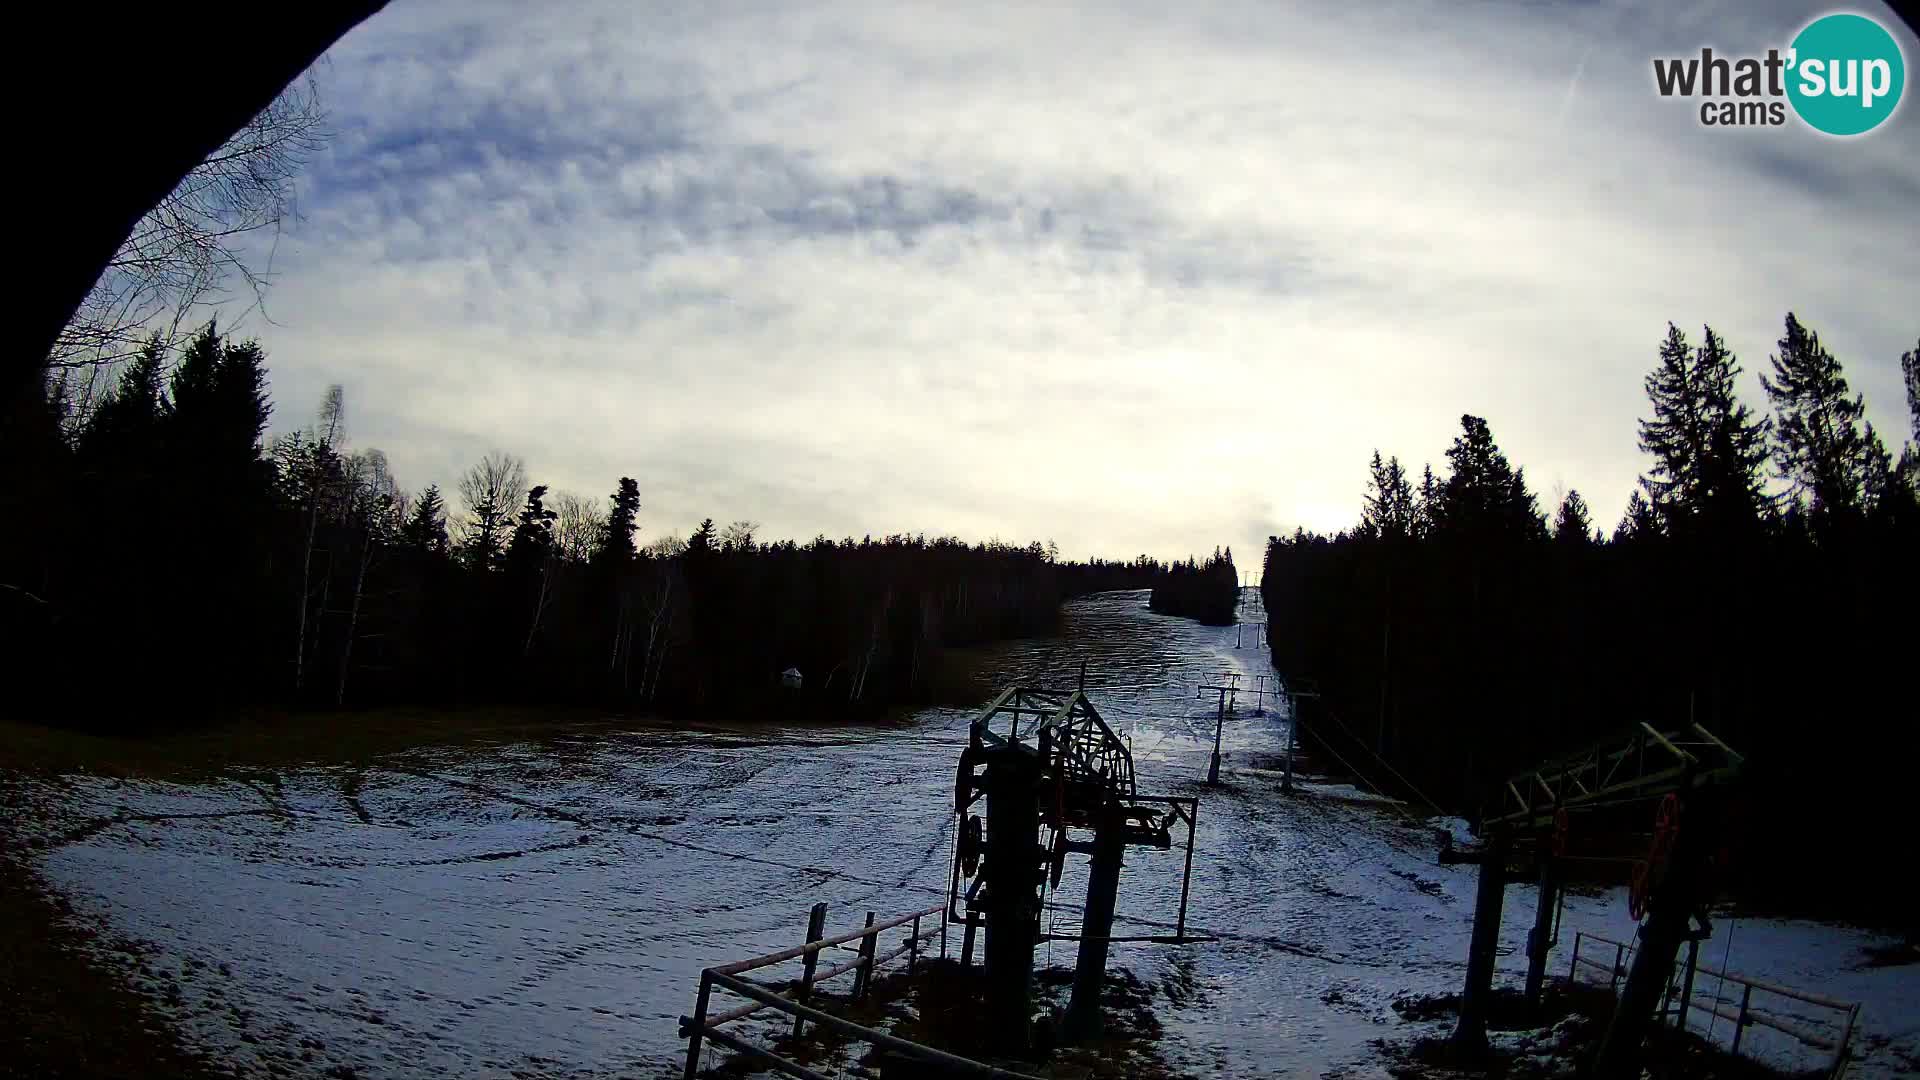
(1529, 830)
(1045, 757)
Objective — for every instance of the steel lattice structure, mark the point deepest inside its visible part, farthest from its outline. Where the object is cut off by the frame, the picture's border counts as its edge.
(1644, 764)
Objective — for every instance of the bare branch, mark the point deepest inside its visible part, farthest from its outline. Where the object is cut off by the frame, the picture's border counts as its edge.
(188, 253)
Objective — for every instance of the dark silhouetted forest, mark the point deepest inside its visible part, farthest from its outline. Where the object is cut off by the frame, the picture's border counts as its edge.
(1209, 591)
(163, 559)
(1763, 580)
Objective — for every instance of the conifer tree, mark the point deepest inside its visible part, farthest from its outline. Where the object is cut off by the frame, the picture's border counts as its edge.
(1426, 508)
(533, 535)
(702, 540)
(1639, 523)
(1818, 445)
(191, 389)
(617, 537)
(240, 390)
(425, 530)
(1707, 447)
(1910, 454)
(1484, 495)
(1388, 511)
(1572, 523)
(122, 428)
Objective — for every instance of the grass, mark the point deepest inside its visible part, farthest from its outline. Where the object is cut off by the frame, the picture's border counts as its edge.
(282, 738)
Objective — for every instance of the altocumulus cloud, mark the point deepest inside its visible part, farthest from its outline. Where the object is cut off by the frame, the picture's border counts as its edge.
(1137, 278)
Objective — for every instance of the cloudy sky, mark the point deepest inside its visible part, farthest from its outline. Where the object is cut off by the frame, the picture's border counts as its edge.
(1137, 278)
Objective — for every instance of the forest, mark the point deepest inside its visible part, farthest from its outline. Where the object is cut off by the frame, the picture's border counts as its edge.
(1208, 592)
(165, 559)
(1761, 581)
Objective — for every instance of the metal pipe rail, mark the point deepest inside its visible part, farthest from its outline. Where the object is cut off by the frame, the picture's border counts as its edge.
(910, 945)
(951, 1062)
(810, 979)
(1747, 1015)
(771, 958)
(704, 1025)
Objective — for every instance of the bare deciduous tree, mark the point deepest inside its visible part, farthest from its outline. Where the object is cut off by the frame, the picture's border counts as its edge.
(577, 531)
(492, 491)
(375, 507)
(317, 457)
(666, 546)
(738, 536)
(195, 250)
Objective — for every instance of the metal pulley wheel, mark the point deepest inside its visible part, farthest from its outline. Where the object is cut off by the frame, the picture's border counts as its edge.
(1649, 871)
(963, 780)
(970, 845)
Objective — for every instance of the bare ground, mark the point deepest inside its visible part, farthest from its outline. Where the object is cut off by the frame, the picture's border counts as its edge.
(66, 1014)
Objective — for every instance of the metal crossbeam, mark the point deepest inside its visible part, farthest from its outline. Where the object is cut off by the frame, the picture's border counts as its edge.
(1089, 750)
(1643, 764)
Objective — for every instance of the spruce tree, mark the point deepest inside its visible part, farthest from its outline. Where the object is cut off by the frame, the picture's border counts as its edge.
(701, 542)
(1883, 486)
(1707, 447)
(191, 390)
(426, 528)
(122, 429)
(1818, 445)
(1426, 507)
(1484, 495)
(1572, 524)
(240, 394)
(1910, 371)
(533, 535)
(1910, 454)
(617, 537)
(1388, 512)
(1639, 523)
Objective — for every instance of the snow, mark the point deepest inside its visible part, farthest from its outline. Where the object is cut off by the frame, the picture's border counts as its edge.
(545, 909)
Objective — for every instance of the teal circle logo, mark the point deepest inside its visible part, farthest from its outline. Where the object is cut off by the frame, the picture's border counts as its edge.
(1845, 74)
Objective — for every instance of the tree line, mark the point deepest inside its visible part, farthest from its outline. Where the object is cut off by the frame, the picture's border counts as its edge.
(1761, 581)
(165, 558)
(1208, 592)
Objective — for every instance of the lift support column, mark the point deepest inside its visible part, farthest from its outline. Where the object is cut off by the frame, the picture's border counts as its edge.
(1670, 904)
(1096, 927)
(1540, 938)
(1470, 1037)
(1012, 783)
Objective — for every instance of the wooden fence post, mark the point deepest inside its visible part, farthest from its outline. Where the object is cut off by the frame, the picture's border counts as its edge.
(1840, 1051)
(699, 1023)
(816, 929)
(1573, 969)
(863, 977)
(1619, 957)
(1740, 1025)
(1686, 987)
(913, 946)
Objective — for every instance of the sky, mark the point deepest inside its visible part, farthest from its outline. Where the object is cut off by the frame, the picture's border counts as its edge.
(1137, 278)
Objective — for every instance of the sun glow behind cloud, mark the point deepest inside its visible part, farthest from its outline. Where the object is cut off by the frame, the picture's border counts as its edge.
(1135, 280)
